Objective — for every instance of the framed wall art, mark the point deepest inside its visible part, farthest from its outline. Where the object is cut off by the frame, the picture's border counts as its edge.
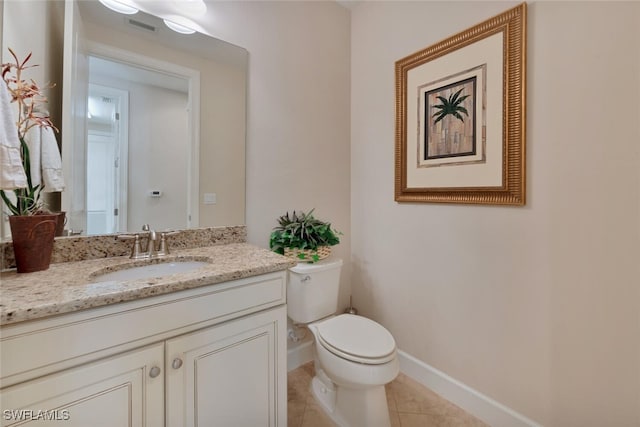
(460, 116)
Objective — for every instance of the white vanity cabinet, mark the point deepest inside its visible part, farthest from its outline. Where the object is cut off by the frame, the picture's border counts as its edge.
(116, 391)
(212, 355)
(225, 373)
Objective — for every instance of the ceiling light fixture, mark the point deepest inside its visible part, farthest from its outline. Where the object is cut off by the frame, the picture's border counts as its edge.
(120, 7)
(178, 28)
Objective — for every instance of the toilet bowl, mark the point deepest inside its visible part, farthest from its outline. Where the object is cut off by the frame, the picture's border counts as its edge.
(354, 356)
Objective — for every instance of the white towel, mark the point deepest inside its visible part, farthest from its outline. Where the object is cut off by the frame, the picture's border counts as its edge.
(12, 174)
(46, 165)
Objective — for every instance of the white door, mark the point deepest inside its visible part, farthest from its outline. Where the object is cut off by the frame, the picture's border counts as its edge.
(107, 160)
(120, 391)
(233, 374)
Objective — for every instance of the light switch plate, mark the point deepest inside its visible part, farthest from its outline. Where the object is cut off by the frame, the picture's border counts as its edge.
(209, 198)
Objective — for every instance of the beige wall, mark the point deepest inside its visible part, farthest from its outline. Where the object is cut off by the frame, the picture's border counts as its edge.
(298, 111)
(536, 307)
(157, 157)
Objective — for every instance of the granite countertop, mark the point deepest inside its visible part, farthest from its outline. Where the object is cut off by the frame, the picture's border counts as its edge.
(68, 286)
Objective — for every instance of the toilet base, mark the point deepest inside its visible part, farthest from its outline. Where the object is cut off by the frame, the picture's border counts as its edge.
(351, 407)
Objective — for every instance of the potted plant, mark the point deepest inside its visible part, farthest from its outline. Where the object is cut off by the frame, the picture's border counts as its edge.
(32, 229)
(303, 237)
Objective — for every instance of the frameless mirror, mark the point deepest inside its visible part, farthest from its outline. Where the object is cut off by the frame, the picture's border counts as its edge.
(153, 126)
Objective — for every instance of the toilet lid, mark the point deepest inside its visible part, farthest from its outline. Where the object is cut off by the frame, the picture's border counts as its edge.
(357, 338)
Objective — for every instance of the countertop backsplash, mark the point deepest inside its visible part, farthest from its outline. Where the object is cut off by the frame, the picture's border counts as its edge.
(81, 248)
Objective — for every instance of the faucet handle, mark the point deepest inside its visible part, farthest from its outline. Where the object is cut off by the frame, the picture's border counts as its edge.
(164, 246)
(150, 244)
(136, 252)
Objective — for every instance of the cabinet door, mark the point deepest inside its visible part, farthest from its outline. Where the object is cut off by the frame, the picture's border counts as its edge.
(233, 374)
(119, 391)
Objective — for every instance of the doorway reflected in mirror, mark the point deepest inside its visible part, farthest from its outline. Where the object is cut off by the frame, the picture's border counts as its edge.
(138, 148)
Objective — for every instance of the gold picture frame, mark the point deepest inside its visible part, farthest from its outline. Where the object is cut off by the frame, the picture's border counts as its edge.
(460, 116)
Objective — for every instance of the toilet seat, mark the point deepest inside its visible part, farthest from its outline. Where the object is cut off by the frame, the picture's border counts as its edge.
(357, 339)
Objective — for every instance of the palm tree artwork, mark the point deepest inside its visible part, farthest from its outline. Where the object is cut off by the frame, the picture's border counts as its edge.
(452, 106)
(450, 121)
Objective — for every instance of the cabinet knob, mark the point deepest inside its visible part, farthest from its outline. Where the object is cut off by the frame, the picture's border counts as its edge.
(154, 372)
(177, 363)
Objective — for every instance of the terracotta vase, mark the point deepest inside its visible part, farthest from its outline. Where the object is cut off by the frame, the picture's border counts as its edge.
(32, 237)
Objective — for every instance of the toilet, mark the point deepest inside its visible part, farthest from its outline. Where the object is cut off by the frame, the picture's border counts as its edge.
(354, 356)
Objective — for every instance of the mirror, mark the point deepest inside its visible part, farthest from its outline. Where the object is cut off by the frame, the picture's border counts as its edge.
(153, 126)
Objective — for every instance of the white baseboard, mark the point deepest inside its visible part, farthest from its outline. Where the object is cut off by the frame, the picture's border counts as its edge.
(477, 404)
(299, 354)
(482, 407)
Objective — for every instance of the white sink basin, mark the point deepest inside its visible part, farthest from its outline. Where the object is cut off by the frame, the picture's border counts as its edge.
(152, 270)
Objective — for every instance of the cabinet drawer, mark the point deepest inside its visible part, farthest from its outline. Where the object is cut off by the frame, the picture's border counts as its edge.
(31, 349)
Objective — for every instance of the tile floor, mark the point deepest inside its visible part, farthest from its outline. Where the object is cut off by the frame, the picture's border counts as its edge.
(410, 404)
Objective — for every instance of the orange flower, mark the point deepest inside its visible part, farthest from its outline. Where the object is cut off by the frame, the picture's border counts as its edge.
(27, 94)
(30, 99)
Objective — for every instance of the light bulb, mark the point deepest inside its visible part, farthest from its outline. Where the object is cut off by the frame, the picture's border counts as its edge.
(119, 7)
(178, 28)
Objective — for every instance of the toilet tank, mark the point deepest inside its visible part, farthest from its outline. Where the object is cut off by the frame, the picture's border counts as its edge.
(312, 290)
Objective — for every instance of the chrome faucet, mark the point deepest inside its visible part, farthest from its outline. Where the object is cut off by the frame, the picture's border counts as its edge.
(163, 247)
(150, 250)
(136, 252)
(153, 248)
